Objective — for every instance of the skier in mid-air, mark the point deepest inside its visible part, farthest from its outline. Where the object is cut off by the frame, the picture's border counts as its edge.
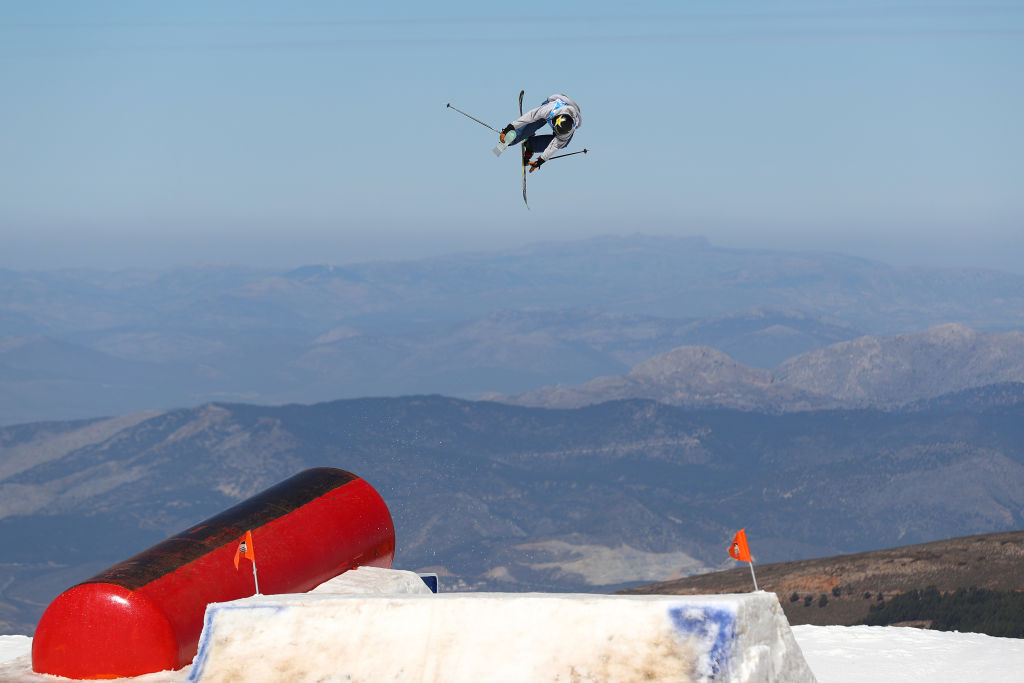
(560, 112)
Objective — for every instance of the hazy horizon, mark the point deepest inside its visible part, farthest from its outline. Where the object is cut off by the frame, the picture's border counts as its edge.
(282, 259)
(155, 134)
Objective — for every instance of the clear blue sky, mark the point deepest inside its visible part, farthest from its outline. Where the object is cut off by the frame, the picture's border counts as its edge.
(155, 133)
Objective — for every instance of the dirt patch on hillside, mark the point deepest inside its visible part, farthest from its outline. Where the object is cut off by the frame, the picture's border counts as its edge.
(841, 589)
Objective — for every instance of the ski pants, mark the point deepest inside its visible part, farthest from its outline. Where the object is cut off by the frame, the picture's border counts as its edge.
(535, 144)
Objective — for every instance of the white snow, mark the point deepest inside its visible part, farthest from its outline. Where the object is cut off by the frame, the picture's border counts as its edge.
(501, 637)
(374, 581)
(12, 647)
(835, 654)
(887, 654)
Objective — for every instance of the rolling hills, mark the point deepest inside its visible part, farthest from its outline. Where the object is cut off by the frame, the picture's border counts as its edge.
(866, 372)
(85, 343)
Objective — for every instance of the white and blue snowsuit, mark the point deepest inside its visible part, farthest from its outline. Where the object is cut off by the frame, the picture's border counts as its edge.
(532, 121)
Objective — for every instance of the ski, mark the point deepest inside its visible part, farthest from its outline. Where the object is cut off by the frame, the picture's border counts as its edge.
(523, 155)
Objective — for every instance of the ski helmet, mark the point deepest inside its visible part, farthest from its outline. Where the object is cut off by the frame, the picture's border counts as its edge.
(563, 124)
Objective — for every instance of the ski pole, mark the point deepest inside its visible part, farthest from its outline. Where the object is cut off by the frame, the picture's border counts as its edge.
(561, 156)
(470, 117)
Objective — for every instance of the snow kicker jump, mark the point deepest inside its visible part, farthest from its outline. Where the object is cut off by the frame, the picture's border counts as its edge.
(559, 111)
(145, 614)
(498, 637)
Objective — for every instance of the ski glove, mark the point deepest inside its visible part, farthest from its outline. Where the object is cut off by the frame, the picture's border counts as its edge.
(505, 131)
(534, 165)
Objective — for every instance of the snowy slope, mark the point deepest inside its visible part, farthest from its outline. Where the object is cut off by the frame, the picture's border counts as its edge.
(850, 654)
(837, 654)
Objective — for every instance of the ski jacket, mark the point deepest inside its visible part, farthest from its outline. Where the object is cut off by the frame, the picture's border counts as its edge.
(551, 107)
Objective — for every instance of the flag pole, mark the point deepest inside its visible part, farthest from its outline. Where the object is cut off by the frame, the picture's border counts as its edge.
(740, 550)
(246, 549)
(751, 575)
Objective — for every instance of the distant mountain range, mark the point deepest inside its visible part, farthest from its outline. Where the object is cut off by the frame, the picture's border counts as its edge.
(864, 372)
(708, 363)
(81, 343)
(502, 497)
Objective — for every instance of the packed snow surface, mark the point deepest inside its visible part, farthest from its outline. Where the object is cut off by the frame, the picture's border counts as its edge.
(889, 654)
(500, 637)
(836, 654)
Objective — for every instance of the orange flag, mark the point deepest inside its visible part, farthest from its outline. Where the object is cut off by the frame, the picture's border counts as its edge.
(739, 548)
(245, 549)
